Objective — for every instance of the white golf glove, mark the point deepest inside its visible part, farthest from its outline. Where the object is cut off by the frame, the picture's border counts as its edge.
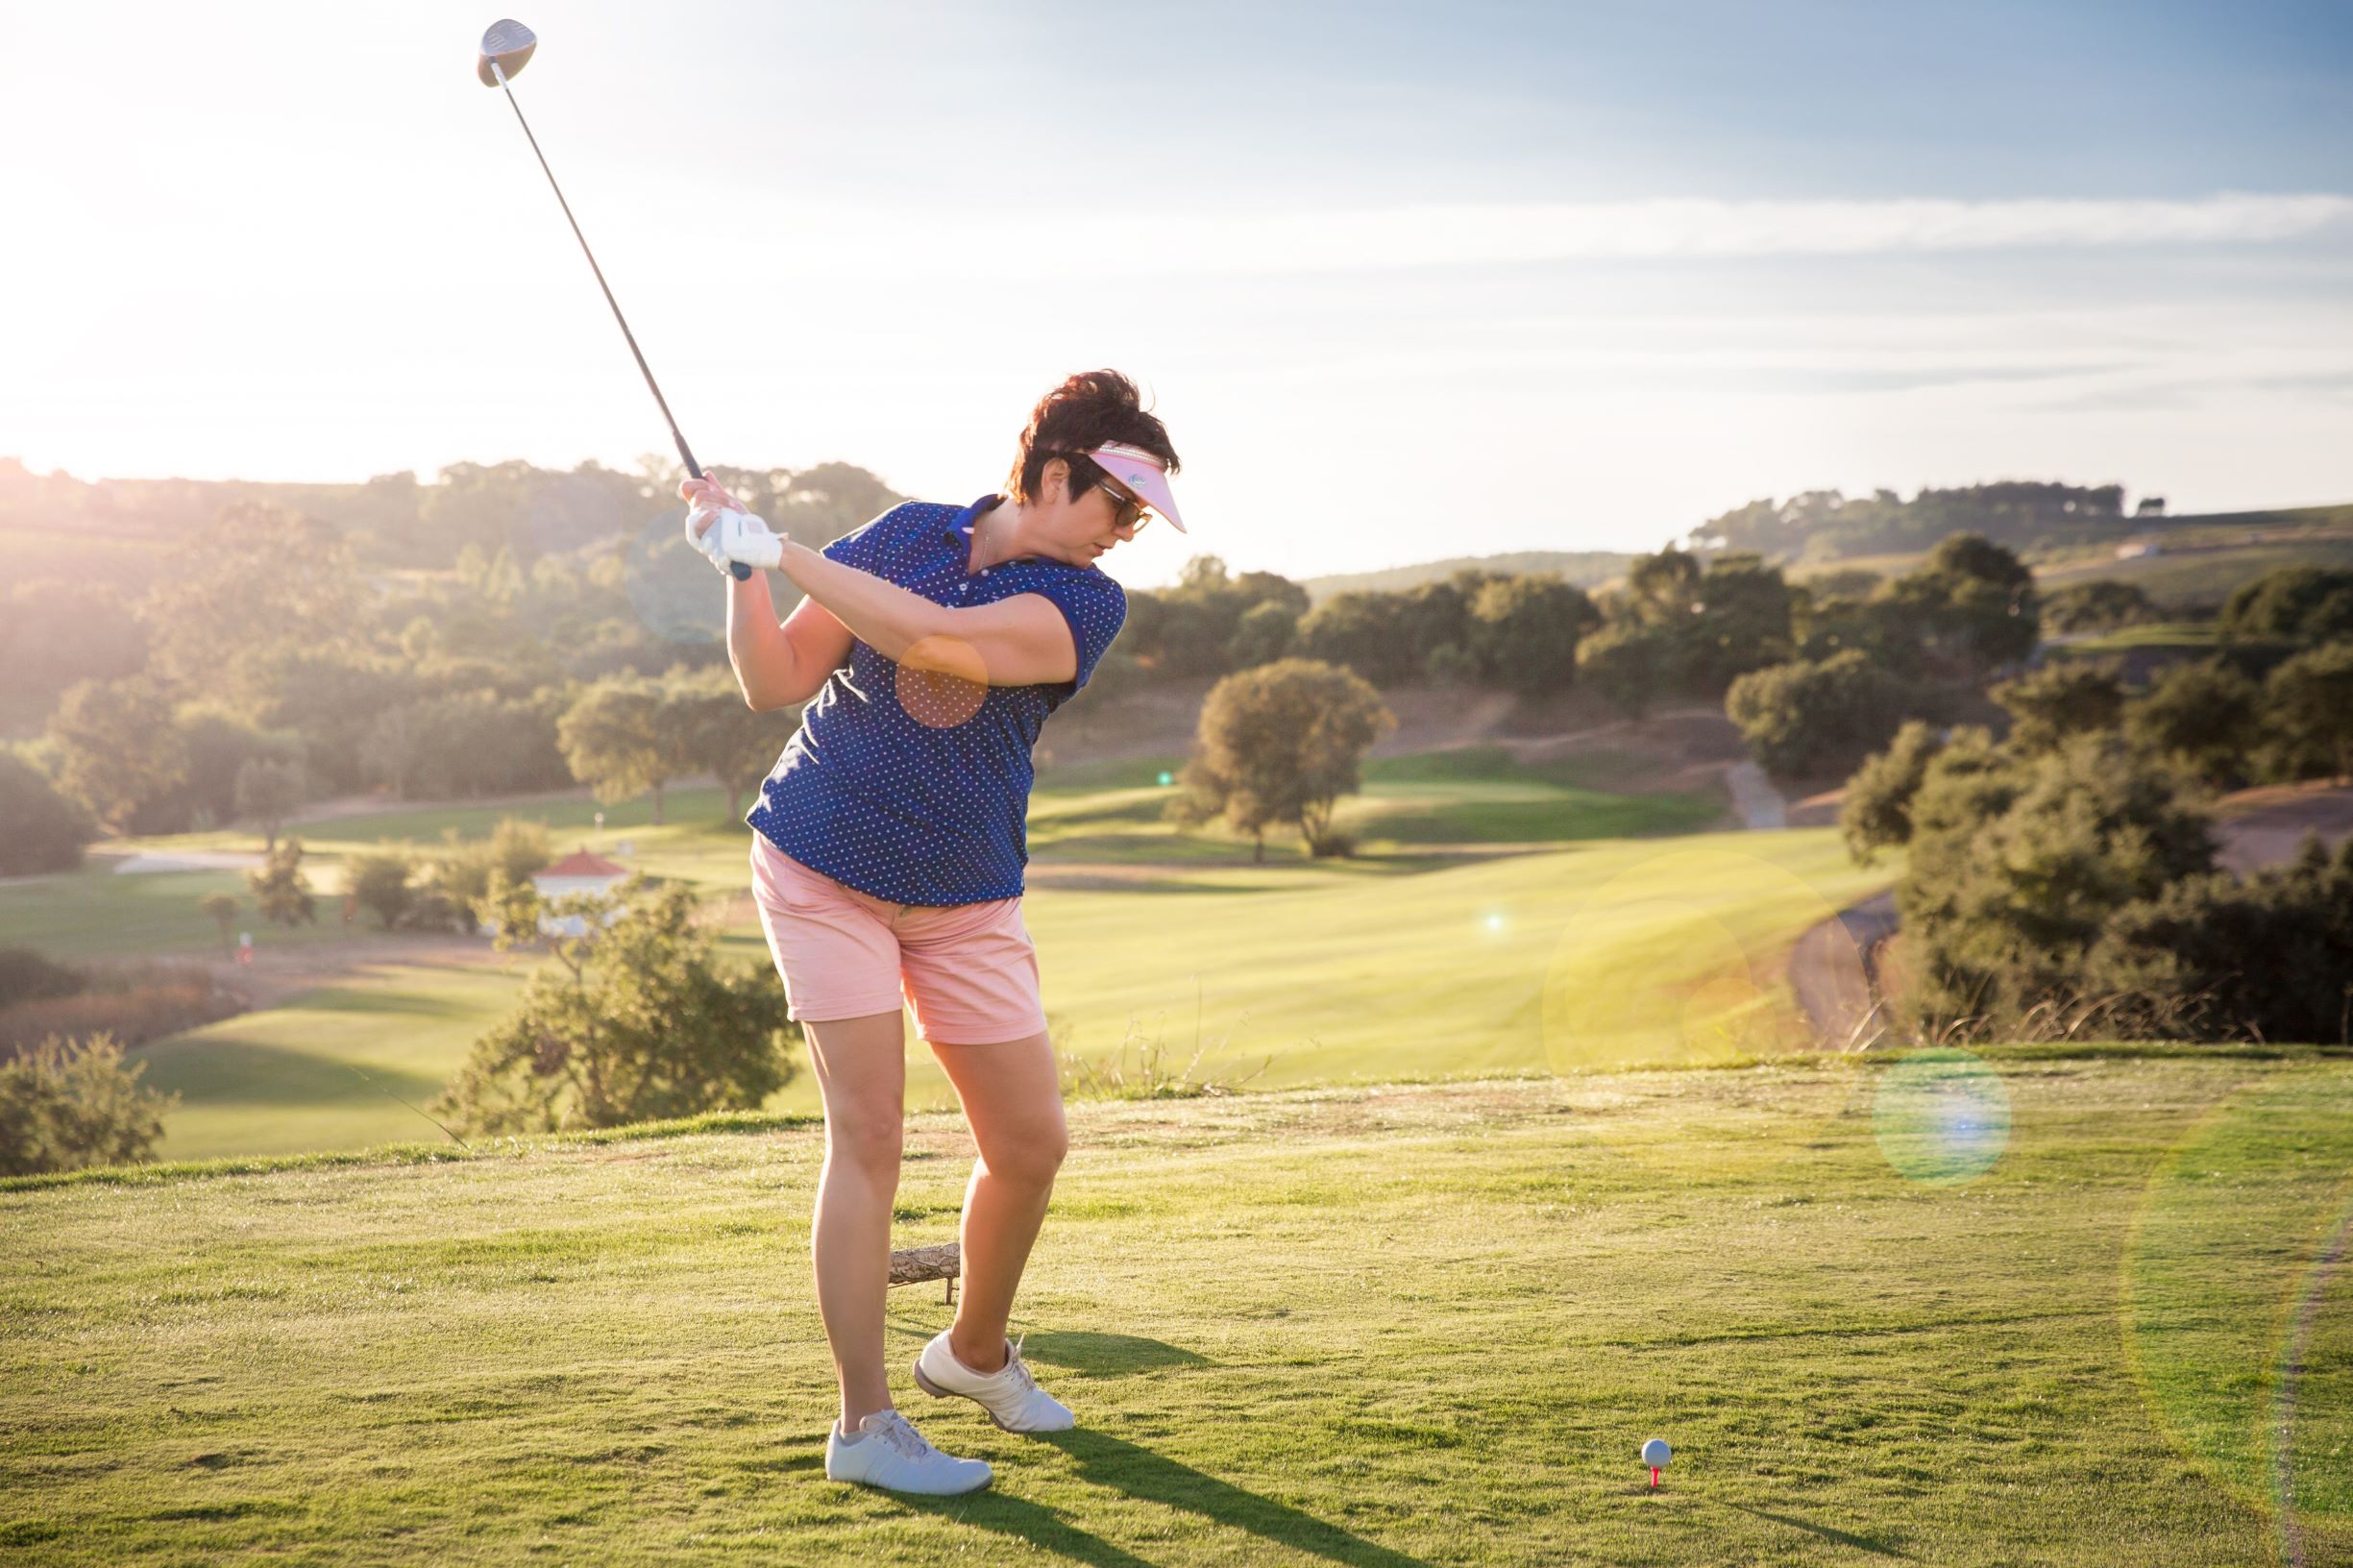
(734, 535)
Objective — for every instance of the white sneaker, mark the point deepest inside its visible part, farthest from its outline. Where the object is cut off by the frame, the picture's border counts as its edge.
(1008, 1394)
(891, 1454)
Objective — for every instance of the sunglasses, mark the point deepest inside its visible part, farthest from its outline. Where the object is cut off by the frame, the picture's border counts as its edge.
(1126, 509)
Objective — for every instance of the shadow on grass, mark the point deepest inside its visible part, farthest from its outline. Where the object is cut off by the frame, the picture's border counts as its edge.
(1841, 1538)
(1092, 1354)
(1139, 1473)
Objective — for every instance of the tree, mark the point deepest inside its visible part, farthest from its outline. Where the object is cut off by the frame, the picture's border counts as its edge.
(268, 789)
(2303, 604)
(1523, 632)
(631, 1022)
(1281, 744)
(117, 749)
(466, 742)
(517, 850)
(1803, 719)
(221, 745)
(2101, 605)
(256, 579)
(223, 908)
(1876, 813)
(40, 828)
(617, 740)
(68, 1104)
(382, 879)
(2308, 712)
(280, 892)
(2060, 700)
(2270, 957)
(1627, 663)
(2018, 864)
(1971, 607)
(1364, 631)
(2202, 717)
(722, 735)
(1262, 635)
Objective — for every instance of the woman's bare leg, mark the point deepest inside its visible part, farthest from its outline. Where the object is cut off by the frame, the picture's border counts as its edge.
(1013, 1099)
(862, 1072)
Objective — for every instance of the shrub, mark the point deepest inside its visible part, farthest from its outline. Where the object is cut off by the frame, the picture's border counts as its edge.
(630, 1023)
(459, 883)
(2060, 700)
(2101, 605)
(2307, 712)
(68, 1104)
(1805, 718)
(40, 828)
(2270, 957)
(2018, 864)
(379, 879)
(2200, 717)
(1876, 813)
(27, 975)
(281, 891)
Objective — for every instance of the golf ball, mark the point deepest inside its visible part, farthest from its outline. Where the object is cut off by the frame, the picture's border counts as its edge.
(1656, 1452)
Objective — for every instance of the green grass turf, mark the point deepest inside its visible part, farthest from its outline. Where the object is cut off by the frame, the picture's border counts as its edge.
(329, 1069)
(1287, 973)
(1438, 971)
(1362, 1326)
(2193, 636)
(95, 913)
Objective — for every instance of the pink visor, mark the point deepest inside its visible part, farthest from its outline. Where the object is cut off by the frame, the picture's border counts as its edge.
(1141, 471)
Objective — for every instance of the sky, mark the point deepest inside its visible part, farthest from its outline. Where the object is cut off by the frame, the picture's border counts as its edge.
(1405, 281)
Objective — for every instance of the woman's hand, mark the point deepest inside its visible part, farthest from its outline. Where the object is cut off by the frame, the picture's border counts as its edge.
(707, 493)
(722, 532)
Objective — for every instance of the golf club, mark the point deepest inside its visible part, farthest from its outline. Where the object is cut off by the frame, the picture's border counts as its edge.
(506, 48)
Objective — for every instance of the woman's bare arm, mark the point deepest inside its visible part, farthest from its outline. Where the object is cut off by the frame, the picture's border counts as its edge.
(778, 665)
(1020, 641)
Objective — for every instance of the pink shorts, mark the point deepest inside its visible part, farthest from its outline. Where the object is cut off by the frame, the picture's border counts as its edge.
(968, 970)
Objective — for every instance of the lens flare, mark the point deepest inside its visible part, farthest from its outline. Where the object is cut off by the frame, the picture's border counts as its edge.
(2237, 1304)
(1680, 960)
(1942, 1116)
(942, 681)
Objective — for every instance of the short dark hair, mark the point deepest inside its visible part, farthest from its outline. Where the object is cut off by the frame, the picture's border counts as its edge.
(1089, 409)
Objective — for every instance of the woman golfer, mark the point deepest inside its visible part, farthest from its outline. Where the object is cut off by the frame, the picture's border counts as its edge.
(888, 859)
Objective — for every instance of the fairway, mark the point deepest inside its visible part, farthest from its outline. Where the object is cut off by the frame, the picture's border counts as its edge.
(1290, 1325)
(329, 1069)
(1427, 953)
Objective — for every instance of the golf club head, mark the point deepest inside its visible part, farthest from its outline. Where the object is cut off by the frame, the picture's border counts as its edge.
(509, 44)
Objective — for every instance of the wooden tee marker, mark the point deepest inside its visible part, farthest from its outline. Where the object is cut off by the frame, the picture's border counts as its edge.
(912, 1265)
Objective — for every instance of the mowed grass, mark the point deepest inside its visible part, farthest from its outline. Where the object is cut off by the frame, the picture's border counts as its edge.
(331, 1069)
(1273, 975)
(1368, 1325)
(1425, 953)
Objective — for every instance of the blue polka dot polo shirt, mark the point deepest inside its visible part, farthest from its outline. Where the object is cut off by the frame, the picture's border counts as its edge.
(917, 812)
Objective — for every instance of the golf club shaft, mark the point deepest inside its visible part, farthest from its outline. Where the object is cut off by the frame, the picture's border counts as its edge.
(741, 571)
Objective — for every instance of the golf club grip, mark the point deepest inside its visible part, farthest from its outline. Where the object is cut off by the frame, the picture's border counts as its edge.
(741, 571)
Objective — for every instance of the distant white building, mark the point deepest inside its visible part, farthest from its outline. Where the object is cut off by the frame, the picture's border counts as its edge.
(579, 872)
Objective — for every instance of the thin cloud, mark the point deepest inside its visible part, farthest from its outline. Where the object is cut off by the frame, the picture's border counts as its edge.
(1498, 234)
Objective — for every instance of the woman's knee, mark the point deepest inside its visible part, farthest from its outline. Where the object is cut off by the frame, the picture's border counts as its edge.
(870, 1140)
(1032, 1152)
